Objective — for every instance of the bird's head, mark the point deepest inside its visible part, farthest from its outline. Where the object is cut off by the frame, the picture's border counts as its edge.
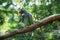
(21, 13)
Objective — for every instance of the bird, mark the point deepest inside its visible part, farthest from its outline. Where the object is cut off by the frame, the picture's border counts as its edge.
(27, 18)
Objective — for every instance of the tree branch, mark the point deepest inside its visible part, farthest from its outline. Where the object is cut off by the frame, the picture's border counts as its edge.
(33, 26)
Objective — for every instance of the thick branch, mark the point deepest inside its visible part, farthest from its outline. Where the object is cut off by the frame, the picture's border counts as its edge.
(33, 26)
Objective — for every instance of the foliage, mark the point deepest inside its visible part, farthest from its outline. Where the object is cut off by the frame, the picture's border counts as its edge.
(39, 9)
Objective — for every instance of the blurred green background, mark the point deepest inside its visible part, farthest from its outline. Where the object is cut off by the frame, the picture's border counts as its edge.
(39, 9)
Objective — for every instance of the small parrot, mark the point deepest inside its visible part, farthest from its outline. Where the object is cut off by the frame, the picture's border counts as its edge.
(26, 18)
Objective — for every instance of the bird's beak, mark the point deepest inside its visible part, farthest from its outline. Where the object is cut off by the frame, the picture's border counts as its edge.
(19, 14)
